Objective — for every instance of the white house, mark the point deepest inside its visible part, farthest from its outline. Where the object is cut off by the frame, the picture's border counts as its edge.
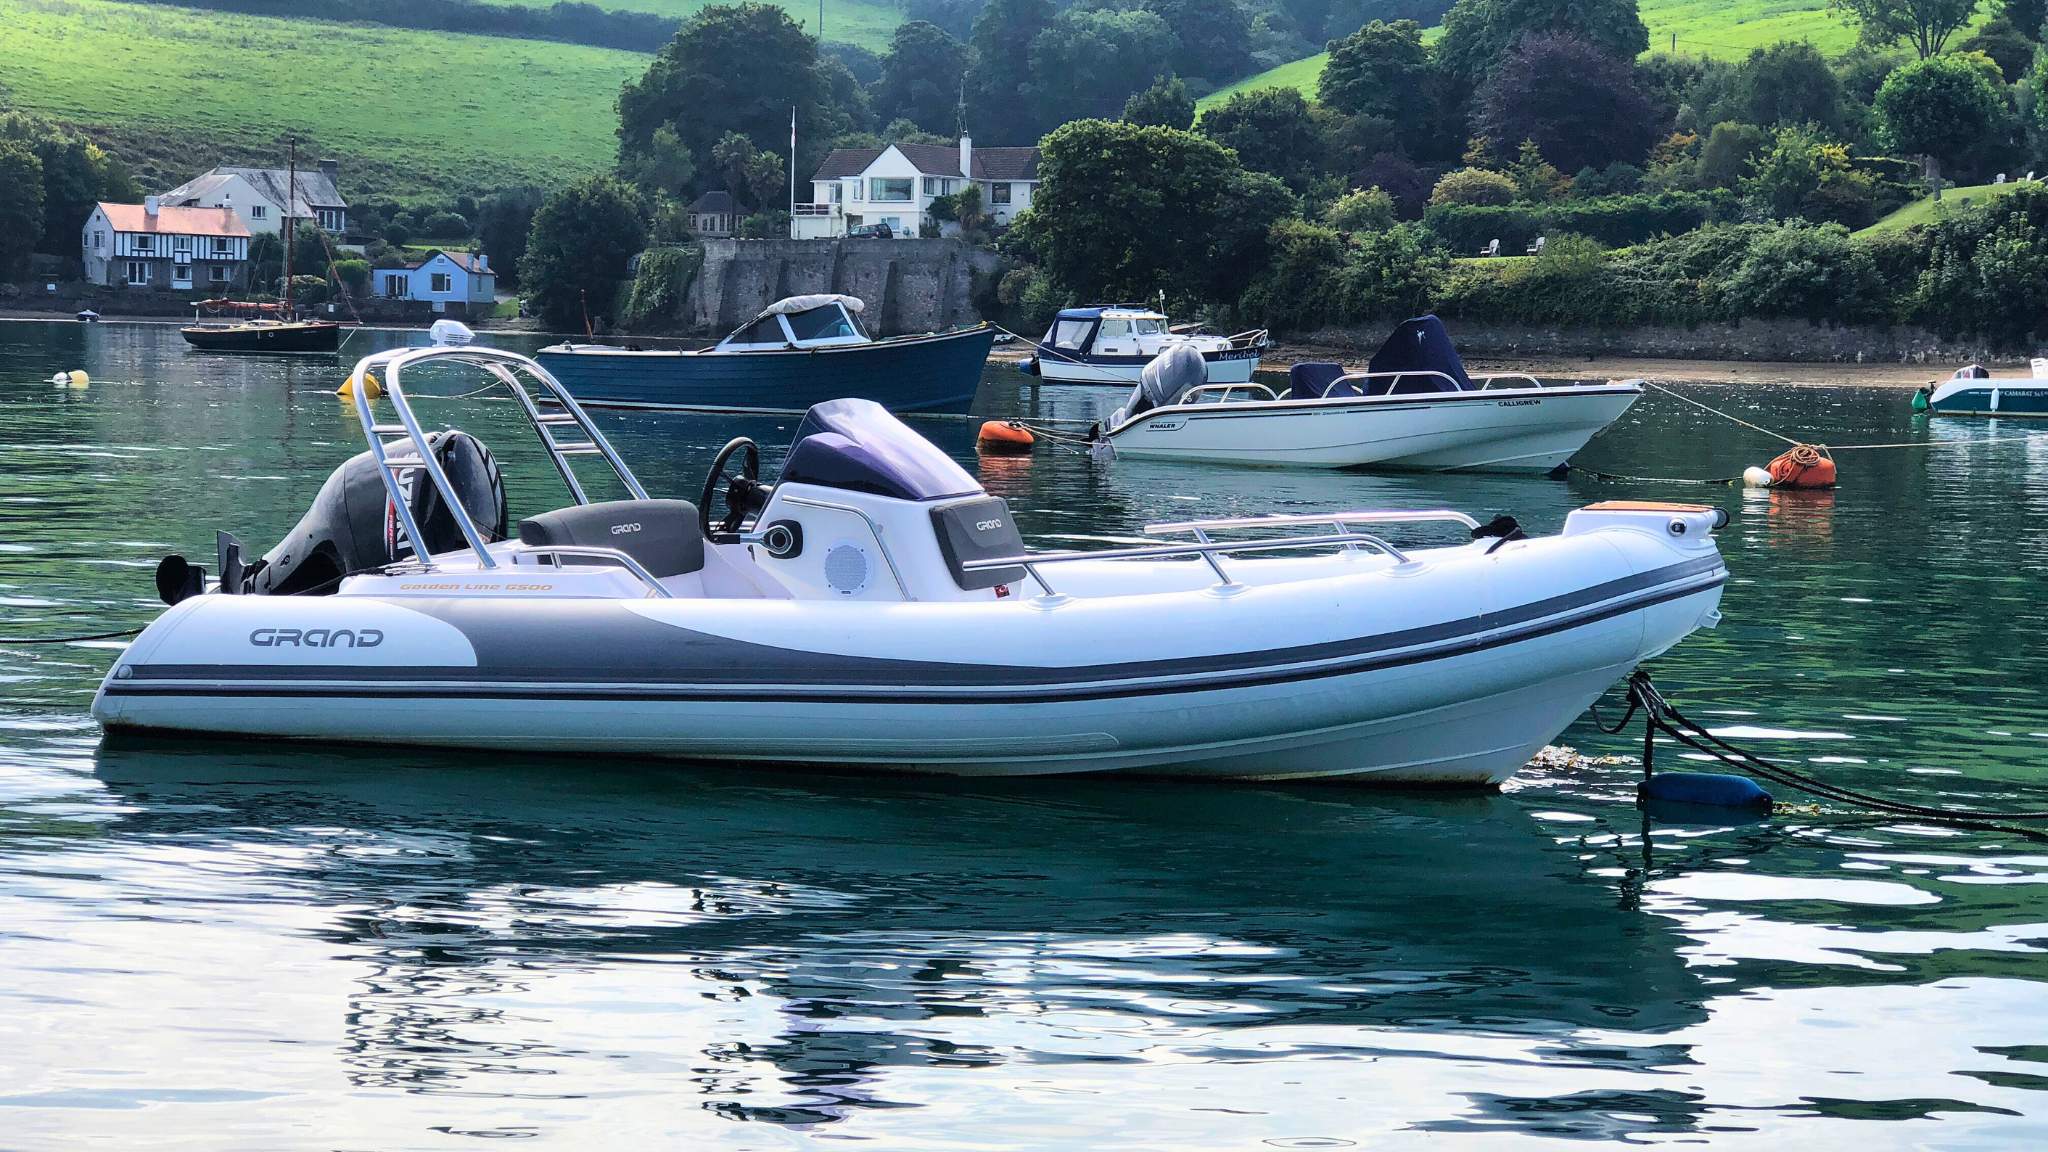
(258, 194)
(714, 214)
(896, 185)
(443, 277)
(156, 245)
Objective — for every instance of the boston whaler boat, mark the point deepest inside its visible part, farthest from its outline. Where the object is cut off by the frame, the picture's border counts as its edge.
(876, 608)
(1414, 407)
(1111, 344)
(800, 351)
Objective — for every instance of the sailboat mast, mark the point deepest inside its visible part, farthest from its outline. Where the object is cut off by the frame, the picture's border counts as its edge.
(291, 196)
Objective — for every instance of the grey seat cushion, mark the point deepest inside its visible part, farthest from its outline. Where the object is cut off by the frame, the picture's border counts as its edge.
(663, 535)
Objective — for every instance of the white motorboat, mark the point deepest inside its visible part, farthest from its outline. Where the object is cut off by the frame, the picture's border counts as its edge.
(875, 608)
(1413, 408)
(1974, 391)
(1112, 343)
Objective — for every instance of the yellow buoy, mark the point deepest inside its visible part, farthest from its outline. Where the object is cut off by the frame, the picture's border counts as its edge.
(371, 388)
(71, 379)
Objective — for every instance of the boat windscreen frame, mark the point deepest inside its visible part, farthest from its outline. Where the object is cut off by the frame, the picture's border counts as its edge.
(505, 368)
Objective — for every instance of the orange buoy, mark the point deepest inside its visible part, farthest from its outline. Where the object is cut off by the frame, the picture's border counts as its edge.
(1005, 438)
(1805, 466)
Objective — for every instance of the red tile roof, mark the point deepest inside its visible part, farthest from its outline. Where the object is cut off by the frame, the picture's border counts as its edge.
(175, 221)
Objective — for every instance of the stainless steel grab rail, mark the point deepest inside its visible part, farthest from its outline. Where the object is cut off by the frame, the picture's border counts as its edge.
(561, 552)
(1482, 383)
(1420, 516)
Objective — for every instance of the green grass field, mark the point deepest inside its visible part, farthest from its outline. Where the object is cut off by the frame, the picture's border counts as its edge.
(408, 112)
(1927, 210)
(1728, 29)
(868, 23)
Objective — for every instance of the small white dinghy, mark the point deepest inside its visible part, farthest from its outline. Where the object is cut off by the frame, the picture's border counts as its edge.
(1414, 408)
(875, 608)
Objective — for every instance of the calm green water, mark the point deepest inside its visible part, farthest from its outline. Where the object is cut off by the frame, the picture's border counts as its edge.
(263, 948)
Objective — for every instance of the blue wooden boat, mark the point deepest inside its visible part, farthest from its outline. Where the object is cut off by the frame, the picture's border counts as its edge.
(1973, 391)
(798, 352)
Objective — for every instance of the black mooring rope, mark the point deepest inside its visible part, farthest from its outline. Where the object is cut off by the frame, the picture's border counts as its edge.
(1661, 716)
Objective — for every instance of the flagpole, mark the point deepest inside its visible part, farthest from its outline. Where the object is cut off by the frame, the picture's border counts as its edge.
(792, 170)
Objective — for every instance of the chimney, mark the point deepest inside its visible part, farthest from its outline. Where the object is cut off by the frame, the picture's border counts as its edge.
(150, 204)
(966, 156)
(331, 169)
(483, 262)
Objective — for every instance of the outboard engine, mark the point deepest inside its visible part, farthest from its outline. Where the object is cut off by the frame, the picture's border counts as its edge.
(1168, 377)
(352, 526)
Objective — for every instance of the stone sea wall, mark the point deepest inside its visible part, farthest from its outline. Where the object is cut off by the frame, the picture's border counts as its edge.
(908, 285)
(1796, 341)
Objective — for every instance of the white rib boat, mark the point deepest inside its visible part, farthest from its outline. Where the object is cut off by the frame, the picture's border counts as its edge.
(875, 608)
(1414, 408)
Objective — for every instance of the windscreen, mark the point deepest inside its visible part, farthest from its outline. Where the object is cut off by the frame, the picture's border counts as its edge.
(858, 446)
(825, 323)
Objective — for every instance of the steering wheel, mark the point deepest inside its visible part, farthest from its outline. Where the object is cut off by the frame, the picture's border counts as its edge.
(744, 493)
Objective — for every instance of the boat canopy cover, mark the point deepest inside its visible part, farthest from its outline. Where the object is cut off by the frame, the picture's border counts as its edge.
(858, 446)
(1167, 378)
(1972, 372)
(1421, 345)
(792, 305)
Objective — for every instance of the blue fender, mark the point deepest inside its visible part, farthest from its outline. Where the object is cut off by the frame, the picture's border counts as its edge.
(1704, 789)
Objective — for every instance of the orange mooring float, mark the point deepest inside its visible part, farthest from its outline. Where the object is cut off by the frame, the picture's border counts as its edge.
(1005, 438)
(1805, 466)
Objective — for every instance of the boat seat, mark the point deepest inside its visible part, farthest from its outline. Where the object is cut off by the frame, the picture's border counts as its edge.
(1308, 379)
(663, 535)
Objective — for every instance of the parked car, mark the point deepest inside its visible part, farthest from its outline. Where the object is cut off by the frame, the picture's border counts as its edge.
(871, 232)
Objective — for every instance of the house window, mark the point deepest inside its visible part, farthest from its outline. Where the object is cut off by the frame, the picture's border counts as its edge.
(181, 243)
(181, 274)
(999, 193)
(221, 246)
(138, 271)
(441, 282)
(145, 243)
(330, 219)
(258, 211)
(931, 186)
(394, 285)
(99, 240)
(217, 274)
(832, 193)
(890, 188)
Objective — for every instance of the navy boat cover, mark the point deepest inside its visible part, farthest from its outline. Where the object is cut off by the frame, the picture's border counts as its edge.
(1421, 345)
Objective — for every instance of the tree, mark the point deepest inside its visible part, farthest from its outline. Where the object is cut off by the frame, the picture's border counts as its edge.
(1380, 70)
(1804, 174)
(1787, 83)
(1537, 180)
(1166, 104)
(921, 77)
(1728, 155)
(21, 206)
(1125, 210)
(1271, 130)
(731, 68)
(1214, 36)
(1402, 179)
(2025, 15)
(2005, 45)
(756, 178)
(1002, 103)
(1924, 24)
(1479, 33)
(1361, 210)
(1083, 64)
(1581, 106)
(1473, 186)
(583, 237)
(662, 166)
(503, 220)
(1941, 107)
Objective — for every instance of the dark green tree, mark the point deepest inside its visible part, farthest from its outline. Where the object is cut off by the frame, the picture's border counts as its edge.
(21, 206)
(921, 77)
(1580, 105)
(1478, 33)
(1942, 107)
(576, 256)
(1380, 70)
(756, 178)
(1271, 130)
(1728, 154)
(2025, 15)
(1787, 83)
(1214, 36)
(732, 68)
(2008, 47)
(503, 220)
(1166, 104)
(1002, 103)
(1925, 25)
(1086, 65)
(1127, 210)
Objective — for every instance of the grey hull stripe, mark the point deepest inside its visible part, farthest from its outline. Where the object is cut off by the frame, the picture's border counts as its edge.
(695, 665)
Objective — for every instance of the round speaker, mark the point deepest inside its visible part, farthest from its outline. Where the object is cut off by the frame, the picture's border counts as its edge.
(847, 569)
